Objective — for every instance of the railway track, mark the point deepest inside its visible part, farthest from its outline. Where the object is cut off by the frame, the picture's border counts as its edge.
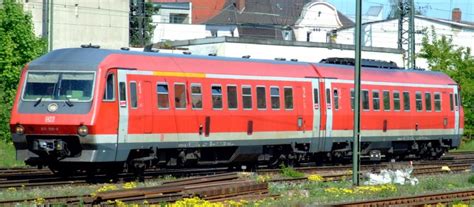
(420, 200)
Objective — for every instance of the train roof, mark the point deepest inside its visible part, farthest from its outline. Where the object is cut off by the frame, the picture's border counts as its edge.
(90, 59)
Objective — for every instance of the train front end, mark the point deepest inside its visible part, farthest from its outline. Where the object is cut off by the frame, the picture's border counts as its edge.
(51, 120)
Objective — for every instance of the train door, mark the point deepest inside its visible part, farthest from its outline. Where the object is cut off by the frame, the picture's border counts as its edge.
(123, 114)
(147, 107)
(456, 110)
(329, 114)
(317, 142)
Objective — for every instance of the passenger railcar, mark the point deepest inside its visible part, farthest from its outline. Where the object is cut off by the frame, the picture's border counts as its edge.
(88, 108)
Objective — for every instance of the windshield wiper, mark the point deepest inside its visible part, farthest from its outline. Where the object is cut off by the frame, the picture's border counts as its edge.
(38, 101)
(68, 102)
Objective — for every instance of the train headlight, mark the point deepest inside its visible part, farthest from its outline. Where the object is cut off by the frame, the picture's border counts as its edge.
(19, 129)
(82, 130)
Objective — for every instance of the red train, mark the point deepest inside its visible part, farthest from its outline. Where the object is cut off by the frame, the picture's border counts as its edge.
(88, 108)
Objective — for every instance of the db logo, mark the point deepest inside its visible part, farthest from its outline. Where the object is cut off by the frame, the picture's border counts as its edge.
(49, 119)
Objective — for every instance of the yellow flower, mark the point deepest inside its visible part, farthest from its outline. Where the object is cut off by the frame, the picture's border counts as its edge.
(11, 189)
(460, 205)
(315, 178)
(129, 185)
(39, 201)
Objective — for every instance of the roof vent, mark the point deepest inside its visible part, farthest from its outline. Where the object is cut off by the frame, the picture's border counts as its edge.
(369, 63)
(152, 50)
(90, 45)
(294, 60)
(125, 48)
(187, 52)
(212, 54)
(280, 59)
(246, 56)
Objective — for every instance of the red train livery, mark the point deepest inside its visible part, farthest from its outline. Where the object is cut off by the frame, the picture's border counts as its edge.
(89, 108)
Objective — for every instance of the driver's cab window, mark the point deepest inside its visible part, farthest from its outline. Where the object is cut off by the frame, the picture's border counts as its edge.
(109, 93)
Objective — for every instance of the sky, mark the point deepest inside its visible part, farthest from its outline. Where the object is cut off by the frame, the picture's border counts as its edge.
(433, 8)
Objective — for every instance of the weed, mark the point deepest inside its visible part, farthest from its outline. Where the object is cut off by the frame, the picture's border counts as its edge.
(290, 172)
(471, 179)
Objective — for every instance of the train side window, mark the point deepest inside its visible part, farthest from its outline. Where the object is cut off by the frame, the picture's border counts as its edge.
(406, 101)
(180, 96)
(336, 99)
(275, 97)
(133, 95)
(396, 101)
(163, 99)
(352, 98)
(316, 96)
(261, 98)
(247, 97)
(109, 93)
(376, 100)
(365, 100)
(196, 96)
(123, 95)
(328, 96)
(456, 98)
(428, 101)
(437, 101)
(451, 102)
(232, 97)
(386, 100)
(288, 93)
(217, 97)
(419, 103)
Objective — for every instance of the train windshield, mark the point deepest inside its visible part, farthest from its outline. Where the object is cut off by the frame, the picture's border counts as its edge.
(67, 86)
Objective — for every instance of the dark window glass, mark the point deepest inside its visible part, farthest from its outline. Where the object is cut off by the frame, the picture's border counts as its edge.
(419, 101)
(275, 96)
(123, 96)
(217, 97)
(428, 101)
(180, 96)
(336, 99)
(365, 100)
(232, 97)
(288, 98)
(376, 100)
(386, 100)
(247, 97)
(109, 88)
(456, 99)
(261, 98)
(328, 96)
(437, 101)
(133, 95)
(451, 105)
(163, 100)
(406, 101)
(352, 98)
(316, 96)
(396, 101)
(196, 96)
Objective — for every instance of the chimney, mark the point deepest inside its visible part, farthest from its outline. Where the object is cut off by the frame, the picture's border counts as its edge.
(240, 4)
(456, 17)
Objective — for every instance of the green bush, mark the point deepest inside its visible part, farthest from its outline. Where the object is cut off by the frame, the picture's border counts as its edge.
(290, 172)
(471, 179)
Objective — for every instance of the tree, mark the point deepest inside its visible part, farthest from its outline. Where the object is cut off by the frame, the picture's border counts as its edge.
(458, 63)
(18, 46)
(141, 23)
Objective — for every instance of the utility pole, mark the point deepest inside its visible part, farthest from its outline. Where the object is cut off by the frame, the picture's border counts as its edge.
(357, 71)
(406, 36)
(411, 36)
(50, 25)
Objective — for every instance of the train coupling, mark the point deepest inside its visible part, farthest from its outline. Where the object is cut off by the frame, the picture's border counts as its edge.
(374, 155)
(51, 146)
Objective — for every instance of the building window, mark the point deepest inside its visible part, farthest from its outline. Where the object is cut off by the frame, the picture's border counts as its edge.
(275, 97)
(396, 101)
(178, 18)
(376, 100)
(247, 97)
(180, 96)
(109, 93)
(288, 93)
(406, 101)
(428, 101)
(261, 98)
(217, 97)
(386, 100)
(437, 101)
(133, 95)
(336, 99)
(162, 91)
(196, 96)
(232, 97)
(365, 100)
(419, 101)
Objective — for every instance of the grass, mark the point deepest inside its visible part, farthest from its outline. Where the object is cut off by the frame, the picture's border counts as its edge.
(466, 146)
(8, 156)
